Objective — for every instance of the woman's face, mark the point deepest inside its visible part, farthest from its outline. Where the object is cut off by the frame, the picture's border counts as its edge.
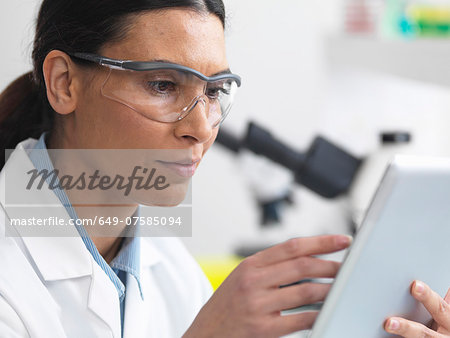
(179, 36)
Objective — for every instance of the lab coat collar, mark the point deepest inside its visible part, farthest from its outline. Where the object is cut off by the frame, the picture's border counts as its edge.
(150, 255)
(136, 322)
(55, 257)
(61, 258)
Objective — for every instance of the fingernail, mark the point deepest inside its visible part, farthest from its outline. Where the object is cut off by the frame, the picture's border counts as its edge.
(419, 288)
(393, 324)
(345, 241)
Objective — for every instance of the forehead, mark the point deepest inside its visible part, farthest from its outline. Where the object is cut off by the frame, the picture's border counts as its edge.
(182, 36)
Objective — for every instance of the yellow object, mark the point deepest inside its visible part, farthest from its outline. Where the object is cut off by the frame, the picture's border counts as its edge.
(218, 268)
(430, 13)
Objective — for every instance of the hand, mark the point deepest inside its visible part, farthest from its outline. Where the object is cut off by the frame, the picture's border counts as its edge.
(439, 309)
(249, 301)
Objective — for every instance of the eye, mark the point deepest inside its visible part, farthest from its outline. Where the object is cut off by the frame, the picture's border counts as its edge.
(162, 87)
(215, 92)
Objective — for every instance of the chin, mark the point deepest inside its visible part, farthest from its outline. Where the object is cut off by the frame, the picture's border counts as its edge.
(171, 197)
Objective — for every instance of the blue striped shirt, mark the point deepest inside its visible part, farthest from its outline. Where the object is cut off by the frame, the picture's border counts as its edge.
(127, 259)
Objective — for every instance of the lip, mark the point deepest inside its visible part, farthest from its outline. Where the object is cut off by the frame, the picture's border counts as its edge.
(182, 168)
(186, 162)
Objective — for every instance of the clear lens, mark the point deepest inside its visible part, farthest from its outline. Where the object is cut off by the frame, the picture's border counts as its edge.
(169, 95)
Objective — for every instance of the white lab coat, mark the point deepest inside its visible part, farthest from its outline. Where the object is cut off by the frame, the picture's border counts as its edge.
(52, 287)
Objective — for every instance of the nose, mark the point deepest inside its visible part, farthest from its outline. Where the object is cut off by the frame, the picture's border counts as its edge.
(200, 100)
(195, 126)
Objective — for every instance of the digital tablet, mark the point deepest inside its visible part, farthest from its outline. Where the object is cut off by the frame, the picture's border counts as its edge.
(405, 236)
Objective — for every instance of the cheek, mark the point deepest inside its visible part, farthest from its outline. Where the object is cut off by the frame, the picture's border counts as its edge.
(210, 142)
(111, 125)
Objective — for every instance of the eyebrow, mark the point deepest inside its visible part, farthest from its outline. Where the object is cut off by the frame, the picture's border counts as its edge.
(225, 71)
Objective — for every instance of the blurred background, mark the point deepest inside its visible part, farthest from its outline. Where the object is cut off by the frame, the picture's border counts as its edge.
(371, 77)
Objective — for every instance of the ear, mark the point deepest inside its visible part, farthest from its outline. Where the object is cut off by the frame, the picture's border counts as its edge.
(59, 75)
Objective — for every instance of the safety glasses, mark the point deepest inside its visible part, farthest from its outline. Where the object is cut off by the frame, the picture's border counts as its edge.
(166, 92)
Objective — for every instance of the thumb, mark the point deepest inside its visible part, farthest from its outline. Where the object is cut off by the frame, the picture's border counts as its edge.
(447, 296)
(438, 328)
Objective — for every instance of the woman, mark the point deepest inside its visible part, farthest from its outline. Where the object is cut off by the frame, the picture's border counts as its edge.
(82, 95)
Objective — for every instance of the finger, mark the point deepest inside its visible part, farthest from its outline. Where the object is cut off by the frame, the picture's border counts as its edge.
(436, 306)
(447, 296)
(297, 269)
(297, 295)
(286, 324)
(434, 325)
(305, 246)
(409, 329)
(440, 329)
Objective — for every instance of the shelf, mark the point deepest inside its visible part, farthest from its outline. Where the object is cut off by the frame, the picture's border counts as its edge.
(426, 60)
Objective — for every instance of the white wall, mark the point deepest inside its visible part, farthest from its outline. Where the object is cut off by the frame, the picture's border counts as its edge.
(16, 31)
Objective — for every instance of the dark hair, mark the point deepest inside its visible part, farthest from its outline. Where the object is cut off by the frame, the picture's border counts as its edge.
(72, 26)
